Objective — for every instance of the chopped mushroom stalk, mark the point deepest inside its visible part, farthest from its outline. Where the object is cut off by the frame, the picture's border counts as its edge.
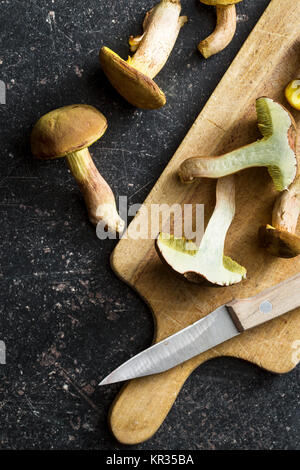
(68, 132)
(133, 78)
(208, 261)
(280, 238)
(225, 27)
(276, 150)
(223, 33)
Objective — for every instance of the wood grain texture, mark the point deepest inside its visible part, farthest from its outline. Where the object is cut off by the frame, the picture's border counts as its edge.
(265, 64)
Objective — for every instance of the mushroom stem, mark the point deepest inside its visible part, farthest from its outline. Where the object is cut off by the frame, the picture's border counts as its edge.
(223, 33)
(287, 209)
(161, 28)
(216, 167)
(213, 241)
(98, 196)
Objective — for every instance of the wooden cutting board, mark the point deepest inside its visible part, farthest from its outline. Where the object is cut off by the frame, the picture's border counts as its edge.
(269, 59)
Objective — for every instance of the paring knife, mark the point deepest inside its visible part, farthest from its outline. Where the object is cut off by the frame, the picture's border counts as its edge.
(222, 324)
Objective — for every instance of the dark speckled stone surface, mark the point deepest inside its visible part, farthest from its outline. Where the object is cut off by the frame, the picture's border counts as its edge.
(65, 318)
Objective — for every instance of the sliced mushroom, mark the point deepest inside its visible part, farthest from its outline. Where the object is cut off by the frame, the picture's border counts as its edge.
(68, 132)
(280, 238)
(225, 27)
(276, 150)
(208, 261)
(133, 78)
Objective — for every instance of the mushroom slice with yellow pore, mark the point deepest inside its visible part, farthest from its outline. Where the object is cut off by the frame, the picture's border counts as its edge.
(133, 78)
(276, 150)
(280, 238)
(68, 132)
(208, 261)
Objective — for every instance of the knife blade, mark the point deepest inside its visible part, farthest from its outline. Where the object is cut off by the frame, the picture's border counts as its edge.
(224, 323)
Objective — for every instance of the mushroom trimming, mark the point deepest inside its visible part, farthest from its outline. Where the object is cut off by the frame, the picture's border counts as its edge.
(133, 78)
(280, 238)
(276, 150)
(224, 30)
(208, 261)
(68, 132)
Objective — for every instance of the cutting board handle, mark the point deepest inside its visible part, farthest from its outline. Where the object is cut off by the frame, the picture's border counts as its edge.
(142, 404)
(269, 304)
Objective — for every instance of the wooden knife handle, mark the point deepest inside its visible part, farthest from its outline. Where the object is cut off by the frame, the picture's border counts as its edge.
(265, 306)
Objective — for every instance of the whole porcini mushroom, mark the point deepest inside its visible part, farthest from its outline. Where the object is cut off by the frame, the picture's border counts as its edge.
(276, 150)
(280, 238)
(208, 261)
(68, 132)
(225, 27)
(133, 78)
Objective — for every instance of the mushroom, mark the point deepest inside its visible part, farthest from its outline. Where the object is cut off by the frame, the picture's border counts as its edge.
(292, 93)
(68, 132)
(133, 78)
(208, 261)
(280, 238)
(225, 27)
(276, 150)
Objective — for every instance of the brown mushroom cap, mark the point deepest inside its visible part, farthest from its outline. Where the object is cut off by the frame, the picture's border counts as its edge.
(279, 242)
(220, 2)
(67, 130)
(138, 89)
